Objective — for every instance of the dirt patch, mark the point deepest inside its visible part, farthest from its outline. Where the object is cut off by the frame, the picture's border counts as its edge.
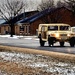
(56, 55)
(15, 69)
(23, 61)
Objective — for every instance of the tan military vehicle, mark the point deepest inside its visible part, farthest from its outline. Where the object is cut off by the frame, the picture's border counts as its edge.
(55, 33)
(73, 29)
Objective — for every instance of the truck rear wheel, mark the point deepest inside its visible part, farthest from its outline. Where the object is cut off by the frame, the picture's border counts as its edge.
(41, 42)
(61, 44)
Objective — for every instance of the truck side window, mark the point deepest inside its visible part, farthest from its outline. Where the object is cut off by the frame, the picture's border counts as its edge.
(44, 28)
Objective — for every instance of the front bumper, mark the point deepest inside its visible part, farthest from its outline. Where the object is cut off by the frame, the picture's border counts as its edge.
(63, 38)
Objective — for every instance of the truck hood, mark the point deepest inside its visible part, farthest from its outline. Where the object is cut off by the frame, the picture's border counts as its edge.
(60, 32)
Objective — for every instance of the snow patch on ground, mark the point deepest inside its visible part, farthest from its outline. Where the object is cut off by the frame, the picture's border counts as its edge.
(4, 35)
(19, 37)
(38, 64)
(28, 38)
(39, 61)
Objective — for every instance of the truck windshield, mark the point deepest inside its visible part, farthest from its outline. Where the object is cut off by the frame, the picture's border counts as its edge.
(64, 27)
(52, 27)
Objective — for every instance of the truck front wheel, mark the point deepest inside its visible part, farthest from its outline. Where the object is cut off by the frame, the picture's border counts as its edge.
(50, 41)
(72, 42)
(61, 44)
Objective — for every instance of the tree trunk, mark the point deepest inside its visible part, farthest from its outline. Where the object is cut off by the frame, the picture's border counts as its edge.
(12, 30)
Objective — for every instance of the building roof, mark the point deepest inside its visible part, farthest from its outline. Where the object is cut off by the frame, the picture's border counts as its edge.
(23, 19)
(35, 16)
(39, 15)
(2, 21)
(19, 17)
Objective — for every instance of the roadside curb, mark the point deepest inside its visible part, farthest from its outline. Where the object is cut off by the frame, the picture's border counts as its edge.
(56, 55)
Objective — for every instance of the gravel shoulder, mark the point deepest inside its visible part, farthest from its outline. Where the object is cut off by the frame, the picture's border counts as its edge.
(23, 61)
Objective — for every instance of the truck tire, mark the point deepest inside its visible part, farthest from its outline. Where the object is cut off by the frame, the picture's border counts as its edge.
(50, 41)
(41, 42)
(72, 42)
(61, 44)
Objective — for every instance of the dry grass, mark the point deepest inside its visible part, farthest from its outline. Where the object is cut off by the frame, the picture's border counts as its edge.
(56, 55)
(18, 69)
(13, 68)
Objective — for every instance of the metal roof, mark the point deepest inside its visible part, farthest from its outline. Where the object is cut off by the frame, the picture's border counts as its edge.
(35, 16)
(2, 21)
(39, 15)
(18, 17)
(21, 19)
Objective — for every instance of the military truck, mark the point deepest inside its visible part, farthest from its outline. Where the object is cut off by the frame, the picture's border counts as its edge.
(73, 29)
(55, 33)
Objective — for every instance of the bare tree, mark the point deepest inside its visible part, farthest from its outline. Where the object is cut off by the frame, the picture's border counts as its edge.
(71, 5)
(10, 9)
(60, 4)
(51, 17)
(46, 4)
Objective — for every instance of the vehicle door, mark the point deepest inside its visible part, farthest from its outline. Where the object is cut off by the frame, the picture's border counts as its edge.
(44, 32)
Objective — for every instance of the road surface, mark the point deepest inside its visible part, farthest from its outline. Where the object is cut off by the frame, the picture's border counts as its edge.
(34, 44)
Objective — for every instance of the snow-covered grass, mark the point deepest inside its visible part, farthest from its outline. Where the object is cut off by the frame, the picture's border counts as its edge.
(8, 36)
(19, 37)
(4, 35)
(46, 63)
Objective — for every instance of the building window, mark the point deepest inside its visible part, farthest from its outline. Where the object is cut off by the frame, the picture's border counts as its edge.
(29, 29)
(21, 28)
(8, 29)
(26, 29)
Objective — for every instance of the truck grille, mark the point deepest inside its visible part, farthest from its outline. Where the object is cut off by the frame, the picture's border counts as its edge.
(63, 34)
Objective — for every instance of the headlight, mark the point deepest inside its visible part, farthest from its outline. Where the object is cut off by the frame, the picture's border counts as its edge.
(56, 35)
(68, 35)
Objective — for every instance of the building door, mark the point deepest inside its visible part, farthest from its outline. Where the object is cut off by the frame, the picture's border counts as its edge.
(27, 30)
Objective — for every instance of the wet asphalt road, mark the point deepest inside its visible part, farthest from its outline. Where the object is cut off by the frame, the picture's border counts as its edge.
(34, 44)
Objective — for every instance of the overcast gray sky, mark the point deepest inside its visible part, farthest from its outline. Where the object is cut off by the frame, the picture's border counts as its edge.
(32, 4)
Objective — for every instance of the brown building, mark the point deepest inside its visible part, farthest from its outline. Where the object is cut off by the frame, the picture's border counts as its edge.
(29, 25)
(56, 15)
(5, 27)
